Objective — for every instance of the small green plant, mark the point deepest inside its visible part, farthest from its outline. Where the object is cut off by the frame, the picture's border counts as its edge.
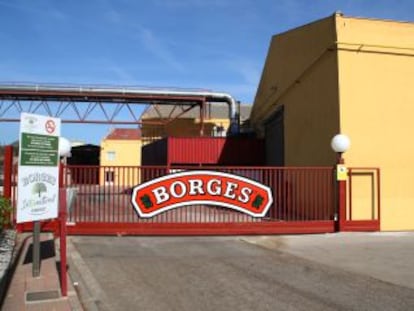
(5, 212)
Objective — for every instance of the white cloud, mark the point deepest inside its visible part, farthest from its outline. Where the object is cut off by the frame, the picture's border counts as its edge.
(113, 16)
(110, 13)
(248, 70)
(158, 48)
(125, 26)
(121, 73)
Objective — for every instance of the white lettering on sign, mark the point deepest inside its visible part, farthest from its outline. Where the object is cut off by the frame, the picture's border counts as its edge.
(196, 187)
(178, 186)
(179, 189)
(231, 186)
(217, 188)
(244, 196)
(161, 194)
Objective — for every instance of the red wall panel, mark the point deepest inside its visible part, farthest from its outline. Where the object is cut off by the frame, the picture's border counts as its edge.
(215, 150)
(204, 150)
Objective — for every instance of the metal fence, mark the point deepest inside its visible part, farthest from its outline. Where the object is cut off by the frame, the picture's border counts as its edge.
(104, 195)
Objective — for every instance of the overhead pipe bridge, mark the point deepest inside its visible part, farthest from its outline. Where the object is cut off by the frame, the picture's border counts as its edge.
(103, 104)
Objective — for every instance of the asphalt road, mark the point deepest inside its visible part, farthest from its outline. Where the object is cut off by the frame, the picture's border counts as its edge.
(217, 273)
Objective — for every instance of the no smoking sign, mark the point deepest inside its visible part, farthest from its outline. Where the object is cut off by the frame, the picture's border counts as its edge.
(50, 126)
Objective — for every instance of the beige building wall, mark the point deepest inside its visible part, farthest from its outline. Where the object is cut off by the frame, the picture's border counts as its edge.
(115, 153)
(300, 74)
(376, 80)
(354, 76)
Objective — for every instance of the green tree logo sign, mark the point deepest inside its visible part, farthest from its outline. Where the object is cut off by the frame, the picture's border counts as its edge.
(39, 188)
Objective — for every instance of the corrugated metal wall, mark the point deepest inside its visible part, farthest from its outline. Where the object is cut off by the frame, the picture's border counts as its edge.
(205, 151)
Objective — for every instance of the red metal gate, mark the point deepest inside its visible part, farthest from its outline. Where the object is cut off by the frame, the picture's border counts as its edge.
(304, 202)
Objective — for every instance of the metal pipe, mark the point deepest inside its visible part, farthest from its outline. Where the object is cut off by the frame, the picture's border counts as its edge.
(90, 90)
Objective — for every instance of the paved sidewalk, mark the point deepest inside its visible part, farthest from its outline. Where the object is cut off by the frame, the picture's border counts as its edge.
(41, 293)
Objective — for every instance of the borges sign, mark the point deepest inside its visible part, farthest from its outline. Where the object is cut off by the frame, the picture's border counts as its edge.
(201, 187)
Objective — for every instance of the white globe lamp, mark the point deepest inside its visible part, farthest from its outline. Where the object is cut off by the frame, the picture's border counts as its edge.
(64, 147)
(340, 143)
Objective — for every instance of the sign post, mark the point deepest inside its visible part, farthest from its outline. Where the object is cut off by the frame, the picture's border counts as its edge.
(38, 182)
(36, 249)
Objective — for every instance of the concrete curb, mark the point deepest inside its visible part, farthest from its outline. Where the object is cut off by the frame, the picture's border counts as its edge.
(87, 287)
(73, 297)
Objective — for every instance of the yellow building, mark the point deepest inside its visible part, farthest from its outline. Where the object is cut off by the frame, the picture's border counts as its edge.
(167, 120)
(344, 75)
(121, 147)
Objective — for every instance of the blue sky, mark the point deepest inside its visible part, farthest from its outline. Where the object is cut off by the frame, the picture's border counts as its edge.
(219, 45)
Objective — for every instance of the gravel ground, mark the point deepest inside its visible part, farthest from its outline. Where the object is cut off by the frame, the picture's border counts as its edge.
(7, 244)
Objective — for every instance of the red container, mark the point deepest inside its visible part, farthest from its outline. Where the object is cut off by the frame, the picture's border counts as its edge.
(230, 151)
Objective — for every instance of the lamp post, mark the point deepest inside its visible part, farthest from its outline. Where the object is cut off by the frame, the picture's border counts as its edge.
(340, 143)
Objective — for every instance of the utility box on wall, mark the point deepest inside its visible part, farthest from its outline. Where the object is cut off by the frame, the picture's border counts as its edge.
(229, 151)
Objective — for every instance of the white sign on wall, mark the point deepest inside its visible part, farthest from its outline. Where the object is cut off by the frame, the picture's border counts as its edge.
(38, 174)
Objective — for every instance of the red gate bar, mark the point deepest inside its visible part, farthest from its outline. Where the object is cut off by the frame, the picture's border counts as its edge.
(7, 169)
(293, 227)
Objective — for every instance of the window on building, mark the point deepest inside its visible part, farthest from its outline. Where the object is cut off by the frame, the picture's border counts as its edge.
(110, 155)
